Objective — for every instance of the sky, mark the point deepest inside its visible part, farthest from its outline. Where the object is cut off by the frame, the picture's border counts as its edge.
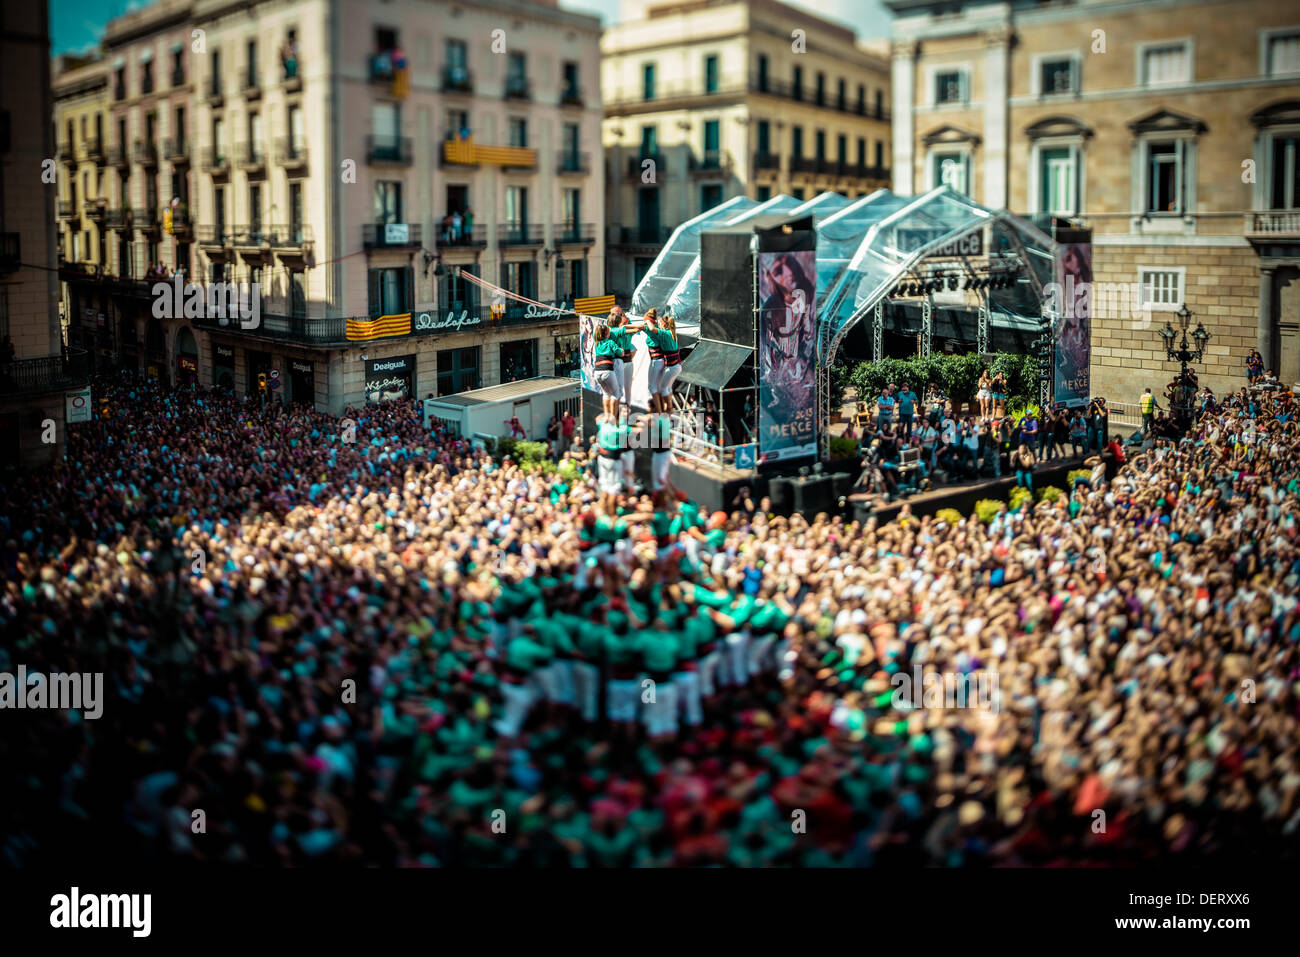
(77, 24)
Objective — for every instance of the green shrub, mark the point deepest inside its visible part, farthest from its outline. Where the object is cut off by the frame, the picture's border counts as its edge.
(1075, 474)
(1049, 493)
(843, 448)
(986, 509)
(504, 447)
(569, 471)
(1020, 495)
(949, 515)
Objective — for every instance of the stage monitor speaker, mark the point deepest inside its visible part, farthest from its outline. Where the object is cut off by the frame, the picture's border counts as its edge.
(726, 288)
(781, 491)
(813, 495)
(842, 483)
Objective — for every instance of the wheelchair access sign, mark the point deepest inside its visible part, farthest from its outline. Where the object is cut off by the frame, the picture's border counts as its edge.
(746, 456)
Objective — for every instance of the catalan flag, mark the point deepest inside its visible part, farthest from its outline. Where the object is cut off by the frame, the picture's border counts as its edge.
(594, 305)
(381, 328)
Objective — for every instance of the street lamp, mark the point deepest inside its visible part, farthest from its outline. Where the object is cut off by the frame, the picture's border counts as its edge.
(1184, 396)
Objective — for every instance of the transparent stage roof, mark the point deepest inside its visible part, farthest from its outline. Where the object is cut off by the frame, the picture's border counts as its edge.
(864, 248)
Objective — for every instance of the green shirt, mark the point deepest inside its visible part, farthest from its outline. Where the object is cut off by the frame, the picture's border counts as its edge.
(611, 436)
(621, 649)
(658, 649)
(609, 348)
(525, 654)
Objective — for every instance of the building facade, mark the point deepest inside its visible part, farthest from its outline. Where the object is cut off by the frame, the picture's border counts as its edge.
(709, 100)
(81, 133)
(1168, 128)
(347, 161)
(356, 158)
(36, 370)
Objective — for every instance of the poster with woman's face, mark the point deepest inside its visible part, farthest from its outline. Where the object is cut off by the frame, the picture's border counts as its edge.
(587, 348)
(787, 288)
(1074, 340)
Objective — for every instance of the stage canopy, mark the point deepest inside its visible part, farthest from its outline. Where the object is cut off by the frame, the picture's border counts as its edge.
(865, 247)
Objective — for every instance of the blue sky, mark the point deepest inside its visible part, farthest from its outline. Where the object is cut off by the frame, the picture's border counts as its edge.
(77, 24)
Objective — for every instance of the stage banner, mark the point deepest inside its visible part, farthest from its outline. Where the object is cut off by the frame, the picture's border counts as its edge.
(1074, 340)
(787, 340)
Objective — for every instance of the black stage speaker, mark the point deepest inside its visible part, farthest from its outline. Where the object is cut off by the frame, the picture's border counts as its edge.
(726, 288)
(813, 495)
(842, 483)
(781, 491)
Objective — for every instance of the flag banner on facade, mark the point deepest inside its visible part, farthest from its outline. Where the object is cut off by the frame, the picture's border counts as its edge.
(594, 305)
(381, 328)
(787, 288)
(1074, 325)
(463, 151)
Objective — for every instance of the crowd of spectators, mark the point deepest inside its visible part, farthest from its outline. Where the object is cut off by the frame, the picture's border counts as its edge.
(375, 645)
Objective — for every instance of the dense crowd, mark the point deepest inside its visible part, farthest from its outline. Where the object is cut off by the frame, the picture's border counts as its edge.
(988, 441)
(373, 643)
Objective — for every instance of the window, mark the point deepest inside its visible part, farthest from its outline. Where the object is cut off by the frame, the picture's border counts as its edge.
(251, 81)
(216, 73)
(649, 139)
(458, 293)
(880, 104)
(710, 196)
(516, 207)
(295, 211)
(862, 151)
(178, 131)
(648, 81)
(821, 144)
(1165, 187)
(457, 61)
(842, 148)
(570, 78)
(219, 140)
(820, 95)
(572, 209)
(521, 279)
(880, 154)
(391, 290)
(950, 87)
(764, 193)
(950, 169)
(1166, 63)
(571, 280)
(567, 357)
(1058, 178)
(518, 131)
(1057, 75)
(458, 124)
(458, 370)
(1283, 53)
(519, 358)
(219, 207)
(388, 201)
(796, 87)
(841, 94)
(764, 136)
(254, 134)
(571, 138)
(711, 73)
(796, 141)
(1284, 173)
(797, 193)
(295, 131)
(517, 74)
(255, 209)
(862, 98)
(1161, 287)
(762, 73)
(710, 137)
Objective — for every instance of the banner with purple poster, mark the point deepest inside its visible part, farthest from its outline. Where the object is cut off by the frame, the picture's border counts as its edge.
(787, 362)
(1074, 327)
(586, 349)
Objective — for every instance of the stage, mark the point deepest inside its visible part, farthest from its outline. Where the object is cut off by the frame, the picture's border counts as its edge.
(717, 488)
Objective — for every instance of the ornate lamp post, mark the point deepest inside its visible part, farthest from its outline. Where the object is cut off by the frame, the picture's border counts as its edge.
(1183, 400)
